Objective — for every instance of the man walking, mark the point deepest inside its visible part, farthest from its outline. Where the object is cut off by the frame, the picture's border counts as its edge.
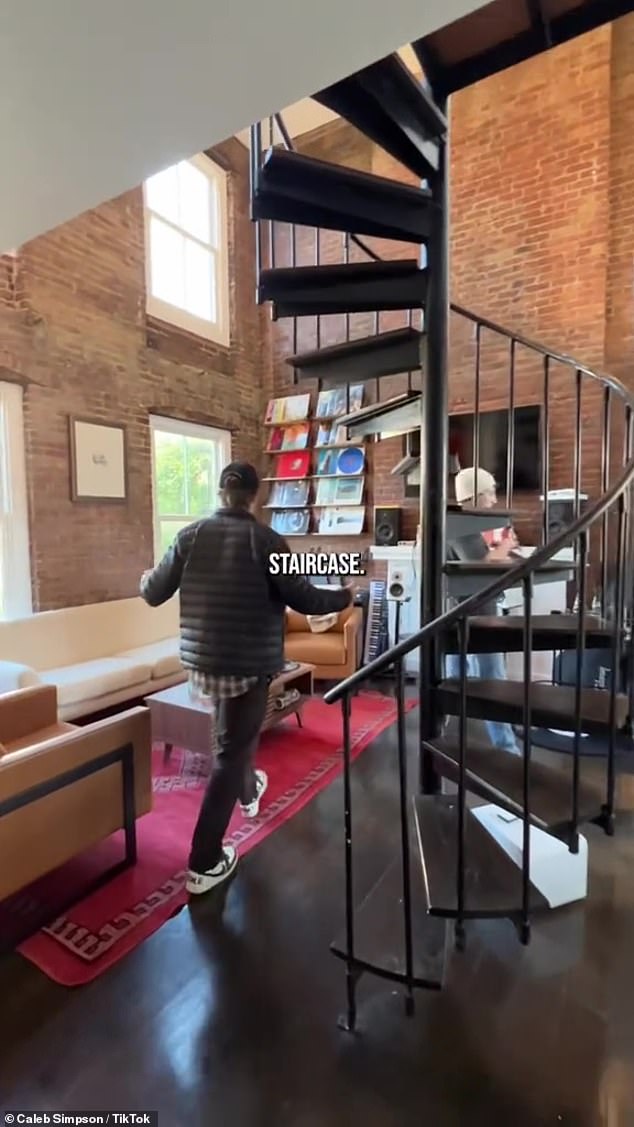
(232, 612)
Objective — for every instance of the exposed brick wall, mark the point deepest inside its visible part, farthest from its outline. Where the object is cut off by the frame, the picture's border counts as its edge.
(73, 323)
(619, 335)
(542, 242)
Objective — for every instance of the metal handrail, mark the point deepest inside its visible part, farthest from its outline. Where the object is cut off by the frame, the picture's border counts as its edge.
(542, 350)
(510, 578)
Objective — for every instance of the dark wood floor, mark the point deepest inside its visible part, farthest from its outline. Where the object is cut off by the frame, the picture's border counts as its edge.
(229, 1016)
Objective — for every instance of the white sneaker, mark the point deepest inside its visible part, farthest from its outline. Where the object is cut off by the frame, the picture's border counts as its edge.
(204, 882)
(252, 809)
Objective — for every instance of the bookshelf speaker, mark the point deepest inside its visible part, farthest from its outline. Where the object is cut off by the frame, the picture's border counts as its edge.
(561, 514)
(387, 525)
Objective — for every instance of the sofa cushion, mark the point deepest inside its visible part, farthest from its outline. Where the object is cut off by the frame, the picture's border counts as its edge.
(14, 675)
(163, 657)
(91, 679)
(315, 649)
(53, 639)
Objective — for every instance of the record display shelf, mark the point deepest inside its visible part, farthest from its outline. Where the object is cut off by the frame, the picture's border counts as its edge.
(317, 477)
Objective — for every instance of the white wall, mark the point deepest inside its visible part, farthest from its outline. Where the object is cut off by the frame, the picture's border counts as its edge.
(94, 97)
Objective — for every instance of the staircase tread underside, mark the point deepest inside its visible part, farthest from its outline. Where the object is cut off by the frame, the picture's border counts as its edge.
(495, 774)
(493, 882)
(554, 622)
(507, 632)
(502, 33)
(286, 169)
(374, 343)
(551, 705)
(500, 567)
(484, 514)
(382, 407)
(344, 288)
(344, 211)
(342, 271)
(391, 107)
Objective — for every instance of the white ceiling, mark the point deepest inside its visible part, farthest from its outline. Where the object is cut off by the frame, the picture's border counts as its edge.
(306, 115)
(94, 97)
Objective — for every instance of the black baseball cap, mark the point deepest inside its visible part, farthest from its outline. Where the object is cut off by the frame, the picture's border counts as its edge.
(240, 475)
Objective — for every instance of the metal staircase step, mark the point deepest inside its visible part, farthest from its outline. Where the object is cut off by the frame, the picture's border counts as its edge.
(390, 107)
(498, 777)
(462, 521)
(505, 633)
(493, 883)
(358, 361)
(357, 287)
(492, 568)
(294, 188)
(390, 417)
(465, 577)
(490, 39)
(379, 933)
(552, 706)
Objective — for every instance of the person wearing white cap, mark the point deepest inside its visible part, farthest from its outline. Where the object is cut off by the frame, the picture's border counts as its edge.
(476, 488)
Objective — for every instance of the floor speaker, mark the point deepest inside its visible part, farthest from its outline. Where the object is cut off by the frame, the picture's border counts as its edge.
(387, 525)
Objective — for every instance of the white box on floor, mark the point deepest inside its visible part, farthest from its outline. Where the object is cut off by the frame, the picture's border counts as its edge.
(560, 876)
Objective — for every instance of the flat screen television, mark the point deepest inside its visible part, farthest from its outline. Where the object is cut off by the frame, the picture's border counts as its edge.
(493, 445)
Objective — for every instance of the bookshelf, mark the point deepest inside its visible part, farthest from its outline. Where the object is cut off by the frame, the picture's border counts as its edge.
(316, 477)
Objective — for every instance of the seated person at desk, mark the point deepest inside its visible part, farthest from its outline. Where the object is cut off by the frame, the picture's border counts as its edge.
(476, 489)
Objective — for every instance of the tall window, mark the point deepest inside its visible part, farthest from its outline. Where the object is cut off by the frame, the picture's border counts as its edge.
(186, 464)
(186, 247)
(15, 564)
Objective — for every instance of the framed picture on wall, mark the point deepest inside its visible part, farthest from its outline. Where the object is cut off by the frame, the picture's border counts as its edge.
(98, 463)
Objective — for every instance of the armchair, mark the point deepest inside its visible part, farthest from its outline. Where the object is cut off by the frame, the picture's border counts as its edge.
(336, 653)
(64, 788)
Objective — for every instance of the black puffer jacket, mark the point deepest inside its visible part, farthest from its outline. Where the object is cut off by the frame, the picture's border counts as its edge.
(232, 608)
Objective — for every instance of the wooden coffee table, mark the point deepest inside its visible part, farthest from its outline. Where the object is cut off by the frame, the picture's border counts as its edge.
(182, 720)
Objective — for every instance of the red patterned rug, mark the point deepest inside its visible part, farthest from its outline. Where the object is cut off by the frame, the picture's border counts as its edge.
(102, 928)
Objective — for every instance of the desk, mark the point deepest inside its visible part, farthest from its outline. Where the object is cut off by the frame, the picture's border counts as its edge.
(405, 559)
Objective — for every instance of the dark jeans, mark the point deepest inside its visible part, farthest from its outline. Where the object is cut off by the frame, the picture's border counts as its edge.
(238, 723)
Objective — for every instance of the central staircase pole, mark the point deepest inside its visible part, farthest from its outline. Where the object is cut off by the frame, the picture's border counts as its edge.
(434, 461)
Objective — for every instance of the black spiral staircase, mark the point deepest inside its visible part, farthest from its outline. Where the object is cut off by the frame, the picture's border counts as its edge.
(398, 932)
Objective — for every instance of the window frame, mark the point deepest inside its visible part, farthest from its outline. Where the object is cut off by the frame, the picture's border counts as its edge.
(15, 547)
(167, 425)
(218, 332)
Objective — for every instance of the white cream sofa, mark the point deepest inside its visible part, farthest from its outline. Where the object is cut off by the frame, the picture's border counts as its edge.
(97, 656)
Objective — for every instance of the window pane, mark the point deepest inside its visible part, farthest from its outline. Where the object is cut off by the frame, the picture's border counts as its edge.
(200, 289)
(162, 193)
(167, 263)
(167, 531)
(202, 476)
(169, 473)
(194, 201)
(214, 214)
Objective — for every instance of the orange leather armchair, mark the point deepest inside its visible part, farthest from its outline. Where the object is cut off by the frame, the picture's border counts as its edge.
(336, 653)
(61, 786)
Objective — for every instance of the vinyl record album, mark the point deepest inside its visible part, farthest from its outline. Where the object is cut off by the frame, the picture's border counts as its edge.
(295, 521)
(351, 461)
(295, 464)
